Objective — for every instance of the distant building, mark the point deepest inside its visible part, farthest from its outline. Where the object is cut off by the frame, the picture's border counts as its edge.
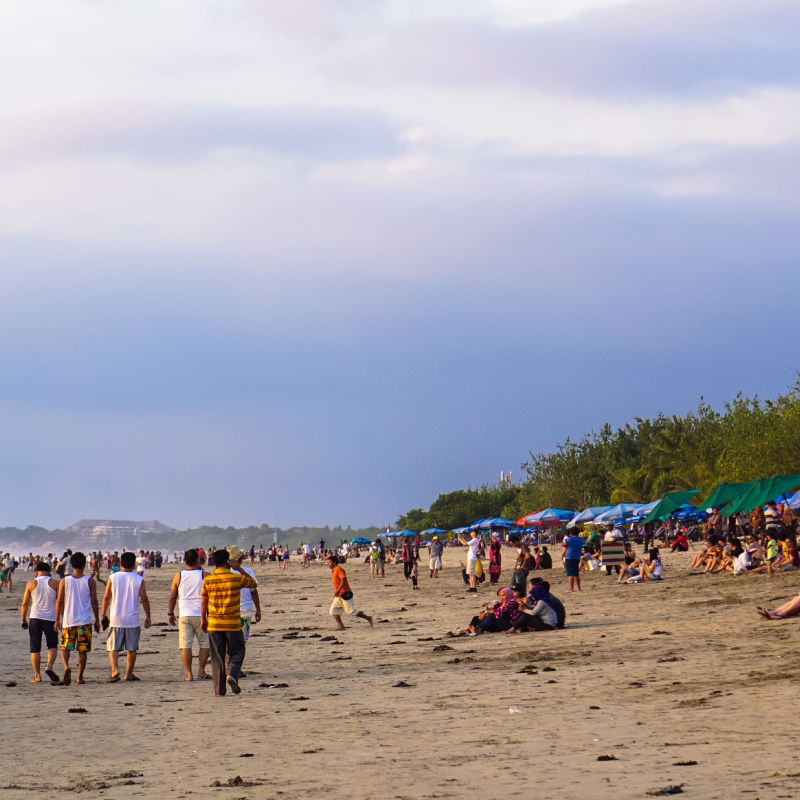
(117, 527)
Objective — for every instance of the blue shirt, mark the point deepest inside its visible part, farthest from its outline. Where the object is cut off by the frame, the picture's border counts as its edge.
(574, 546)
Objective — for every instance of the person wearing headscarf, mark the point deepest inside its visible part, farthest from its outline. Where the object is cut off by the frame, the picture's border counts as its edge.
(495, 559)
(504, 615)
(539, 614)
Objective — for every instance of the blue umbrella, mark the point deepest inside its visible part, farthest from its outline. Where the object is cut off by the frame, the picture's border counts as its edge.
(359, 540)
(549, 515)
(689, 511)
(461, 531)
(490, 523)
(619, 513)
(433, 531)
(587, 515)
(399, 534)
(794, 501)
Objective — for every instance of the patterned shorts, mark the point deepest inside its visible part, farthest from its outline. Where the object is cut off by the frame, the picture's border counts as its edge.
(77, 638)
(245, 626)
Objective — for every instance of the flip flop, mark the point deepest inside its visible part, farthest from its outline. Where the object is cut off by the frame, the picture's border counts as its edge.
(234, 684)
(54, 679)
(203, 678)
(132, 678)
(114, 679)
(67, 680)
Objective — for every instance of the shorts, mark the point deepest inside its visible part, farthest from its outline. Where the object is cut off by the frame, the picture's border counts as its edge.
(471, 566)
(123, 639)
(246, 620)
(436, 562)
(37, 627)
(188, 628)
(572, 566)
(77, 637)
(340, 604)
(114, 569)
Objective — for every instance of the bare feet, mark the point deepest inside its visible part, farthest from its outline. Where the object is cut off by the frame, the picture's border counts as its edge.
(37, 679)
(371, 624)
(188, 678)
(80, 681)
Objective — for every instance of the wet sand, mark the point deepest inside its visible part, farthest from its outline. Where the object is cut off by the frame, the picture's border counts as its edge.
(643, 678)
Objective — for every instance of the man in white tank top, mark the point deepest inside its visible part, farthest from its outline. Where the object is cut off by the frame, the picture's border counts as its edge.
(185, 591)
(76, 602)
(124, 591)
(40, 598)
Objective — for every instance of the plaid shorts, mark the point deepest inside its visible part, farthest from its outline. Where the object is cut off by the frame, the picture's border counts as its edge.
(77, 638)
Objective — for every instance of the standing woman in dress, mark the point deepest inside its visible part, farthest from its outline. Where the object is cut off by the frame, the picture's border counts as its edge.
(495, 560)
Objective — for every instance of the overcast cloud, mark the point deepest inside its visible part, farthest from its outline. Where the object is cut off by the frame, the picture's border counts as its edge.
(316, 263)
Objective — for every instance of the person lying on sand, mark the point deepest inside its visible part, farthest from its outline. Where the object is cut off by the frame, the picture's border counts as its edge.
(789, 609)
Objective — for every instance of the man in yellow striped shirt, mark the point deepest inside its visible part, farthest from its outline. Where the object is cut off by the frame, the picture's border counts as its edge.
(220, 616)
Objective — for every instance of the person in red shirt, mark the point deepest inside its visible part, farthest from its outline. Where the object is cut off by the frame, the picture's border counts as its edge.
(342, 595)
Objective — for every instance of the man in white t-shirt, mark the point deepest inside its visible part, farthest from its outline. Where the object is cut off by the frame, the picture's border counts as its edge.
(141, 563)
(472, 560)
(124, 591)
(249, 602)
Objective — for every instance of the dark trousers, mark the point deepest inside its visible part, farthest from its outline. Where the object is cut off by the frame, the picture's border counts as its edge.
(225, 644)
(407, 567)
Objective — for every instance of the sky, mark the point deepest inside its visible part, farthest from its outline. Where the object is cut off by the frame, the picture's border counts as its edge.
(314, 263)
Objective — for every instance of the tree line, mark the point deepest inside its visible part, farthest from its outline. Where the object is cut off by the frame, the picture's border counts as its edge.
(749, 439)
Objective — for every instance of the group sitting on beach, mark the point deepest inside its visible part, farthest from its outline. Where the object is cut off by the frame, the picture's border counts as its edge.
(513, 612)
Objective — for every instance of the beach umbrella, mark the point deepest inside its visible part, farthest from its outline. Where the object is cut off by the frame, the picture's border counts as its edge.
(491, 523)
(587, 515)
(619, 512)
(461, 531)
(476, 526)
(724, 493)
(794, 501)
(667, 504)
(761, 492)
(399, 534)
(434, 532)
(688, 511)
(359, 540)
(548, 516)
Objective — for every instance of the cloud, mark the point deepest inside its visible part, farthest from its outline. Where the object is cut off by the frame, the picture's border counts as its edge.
(667, 47)
(177, 133)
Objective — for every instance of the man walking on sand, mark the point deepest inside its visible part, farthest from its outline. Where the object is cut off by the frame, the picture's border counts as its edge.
(124, 591)
(249, 601)
(343, 595)
(221, 617)
(186, 587)
(40, 598)
(76, 602)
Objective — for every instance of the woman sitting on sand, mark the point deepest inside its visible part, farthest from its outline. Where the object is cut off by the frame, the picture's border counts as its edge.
(702, 559)
(538, 615)
(653, 569)
(504, 613)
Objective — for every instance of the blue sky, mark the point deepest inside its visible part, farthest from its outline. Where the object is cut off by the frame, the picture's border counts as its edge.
(316, 262)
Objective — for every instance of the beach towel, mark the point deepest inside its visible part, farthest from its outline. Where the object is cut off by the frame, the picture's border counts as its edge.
(613, 553)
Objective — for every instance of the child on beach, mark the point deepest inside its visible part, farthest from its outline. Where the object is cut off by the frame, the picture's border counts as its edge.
(414, 574)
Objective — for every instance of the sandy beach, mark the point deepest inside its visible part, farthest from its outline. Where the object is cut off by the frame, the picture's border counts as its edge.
(650, 676)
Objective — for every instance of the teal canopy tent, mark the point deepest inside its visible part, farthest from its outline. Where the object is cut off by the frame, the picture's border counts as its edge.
(669, 503)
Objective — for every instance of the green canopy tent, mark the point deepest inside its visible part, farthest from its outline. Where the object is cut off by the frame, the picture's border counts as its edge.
(669, 503)
(761, 492)
(726, 492)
